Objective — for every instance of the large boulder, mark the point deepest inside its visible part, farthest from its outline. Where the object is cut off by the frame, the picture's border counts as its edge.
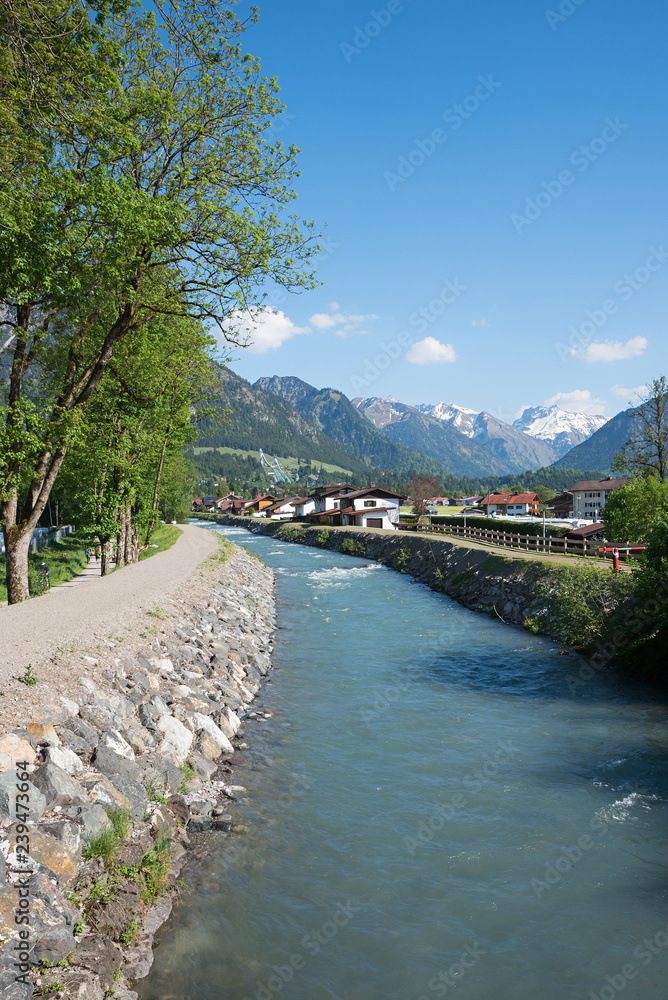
(59, 787)
(177, 739)
(33, 807)
(12, 749)
(99, 954)
(206, 723)
(64, 758)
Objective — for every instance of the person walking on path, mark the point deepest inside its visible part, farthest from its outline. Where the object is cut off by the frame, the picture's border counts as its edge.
(97, 553)
(87, 556)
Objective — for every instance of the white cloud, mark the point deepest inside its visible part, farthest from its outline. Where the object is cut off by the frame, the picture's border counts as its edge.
(430, 351)
(480, 322)
(348, 323)
(264, 330)
(578, 401)
(640, 390)
(612, 350)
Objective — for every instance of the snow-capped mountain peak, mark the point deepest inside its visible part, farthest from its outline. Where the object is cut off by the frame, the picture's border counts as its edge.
(561, 428)
(460, 417)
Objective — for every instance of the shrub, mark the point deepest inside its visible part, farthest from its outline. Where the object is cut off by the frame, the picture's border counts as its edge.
(353, 547)
(322, 538)
(103, 845)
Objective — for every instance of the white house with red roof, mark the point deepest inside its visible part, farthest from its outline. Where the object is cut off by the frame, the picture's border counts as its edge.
(511, 504)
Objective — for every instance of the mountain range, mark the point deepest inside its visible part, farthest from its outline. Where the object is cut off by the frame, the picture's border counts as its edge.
(377, 437)
(537, 439)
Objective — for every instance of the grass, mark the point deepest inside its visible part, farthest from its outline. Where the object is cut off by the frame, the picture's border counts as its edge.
(65, 559)
(188, 775)
(162, 538)
(103, 845)
(286, 462)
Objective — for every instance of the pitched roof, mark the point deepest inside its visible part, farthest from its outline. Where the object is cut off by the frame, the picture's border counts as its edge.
(380, 490)
(366, 510)
(586, 530)
(599, 484)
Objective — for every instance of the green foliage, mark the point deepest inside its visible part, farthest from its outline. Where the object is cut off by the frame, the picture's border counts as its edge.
(353, 547)
(154, 867)
(289, 534)
(499, 524)
(29, 678)
(643, 636)
(49, 989)
(403, 558)
(646, 451)
(322, 538)
(120, 821)
(632, 511)
(162, 538)
(155, 790)
(103, 845)
(545, 493)
(578, 604)
(188, 775)
(65, 558)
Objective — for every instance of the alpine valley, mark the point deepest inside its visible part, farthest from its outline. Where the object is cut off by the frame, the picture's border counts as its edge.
(384, 439)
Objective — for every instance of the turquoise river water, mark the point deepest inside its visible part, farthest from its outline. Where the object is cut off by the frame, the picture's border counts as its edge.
(440, 805)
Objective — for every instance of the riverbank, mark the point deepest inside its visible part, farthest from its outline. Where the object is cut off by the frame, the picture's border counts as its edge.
(566, 599)
(99, 797)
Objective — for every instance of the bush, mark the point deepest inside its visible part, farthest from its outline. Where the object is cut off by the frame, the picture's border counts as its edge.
(581, 601)
(497, 524)
(322, 538)
(353, 547)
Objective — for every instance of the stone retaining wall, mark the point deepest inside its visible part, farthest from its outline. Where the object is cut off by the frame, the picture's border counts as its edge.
(146, 756)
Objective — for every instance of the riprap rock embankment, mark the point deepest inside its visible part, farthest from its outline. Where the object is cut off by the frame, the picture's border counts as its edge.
(121, 777)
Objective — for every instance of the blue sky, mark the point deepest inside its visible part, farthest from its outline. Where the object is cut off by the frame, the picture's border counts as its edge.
(492, 179)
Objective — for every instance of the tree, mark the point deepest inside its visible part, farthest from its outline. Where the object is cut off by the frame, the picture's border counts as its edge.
(420, 490)
(545, 493)
(632, 511)
(164, 199)
(646, 451)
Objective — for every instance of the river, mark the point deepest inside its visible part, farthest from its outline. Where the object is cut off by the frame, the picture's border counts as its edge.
(439, 805)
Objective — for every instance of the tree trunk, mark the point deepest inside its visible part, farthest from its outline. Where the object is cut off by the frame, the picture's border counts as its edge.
(106, 558)
(129, 535)
(17, 547)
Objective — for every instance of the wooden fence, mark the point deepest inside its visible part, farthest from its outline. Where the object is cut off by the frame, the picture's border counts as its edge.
(529, 543)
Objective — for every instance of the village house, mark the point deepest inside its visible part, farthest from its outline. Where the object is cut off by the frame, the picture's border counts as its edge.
(327, 503)
(590, 495)
(303, 506)
(373, 508)
(281, 510)
(511, 504)
(259, 504)
(561, 505)
(341, 504)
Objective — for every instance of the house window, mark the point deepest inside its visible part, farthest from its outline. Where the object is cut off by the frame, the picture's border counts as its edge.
(369, 503)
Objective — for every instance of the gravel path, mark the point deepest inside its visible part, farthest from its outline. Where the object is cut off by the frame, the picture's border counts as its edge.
(80, 630)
